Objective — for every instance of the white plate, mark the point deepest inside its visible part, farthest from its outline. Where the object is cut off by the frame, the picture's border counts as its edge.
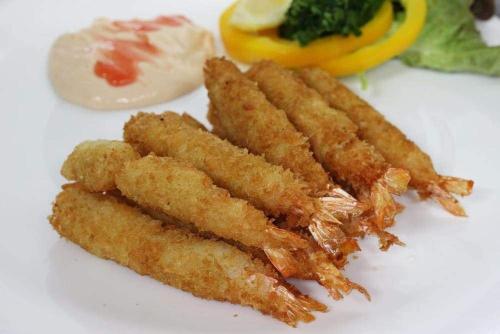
(446, 280)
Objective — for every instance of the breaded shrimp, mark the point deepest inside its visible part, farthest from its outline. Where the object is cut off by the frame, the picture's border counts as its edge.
(225, 226)
(311, 263)
(396, 148)
(334, 141)
(209, 269)
(242, 114)
(341, 202)
(189, 195)
(186, 194)
(268, 187)
(95, 163)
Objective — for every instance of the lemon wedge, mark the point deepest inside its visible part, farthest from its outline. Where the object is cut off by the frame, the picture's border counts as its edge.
(254, 15)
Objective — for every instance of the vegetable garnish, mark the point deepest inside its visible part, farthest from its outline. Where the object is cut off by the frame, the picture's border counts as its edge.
(255, 15)
(450, 42)
(249, 47)
(378, 53)
(308, 20)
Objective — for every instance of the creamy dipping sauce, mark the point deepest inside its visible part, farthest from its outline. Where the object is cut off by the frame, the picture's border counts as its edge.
(129, 64)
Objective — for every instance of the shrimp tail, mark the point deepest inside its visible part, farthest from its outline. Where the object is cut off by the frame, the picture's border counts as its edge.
(331, 278)
(314, 263)
(332, 239)
(444, 198)
(326, 229)
(456, 185)
(394, 181)
(399, 207)
(310, 303)
(384, 207)
(341, 203)
(289, 304)
(386, 240)
(350, 246)
(286, 237)
(283, 260)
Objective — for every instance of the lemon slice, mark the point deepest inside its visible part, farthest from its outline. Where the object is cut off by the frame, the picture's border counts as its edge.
(253, 15)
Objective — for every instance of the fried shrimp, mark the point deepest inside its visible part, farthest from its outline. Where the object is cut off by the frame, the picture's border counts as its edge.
(188, 194)
(311, 263)
(241, 113)
(94, 163)
(268, 187)
(396, 148)
(334, 141)
(209, 269)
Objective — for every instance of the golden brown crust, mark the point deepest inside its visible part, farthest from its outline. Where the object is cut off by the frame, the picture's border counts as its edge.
(312, 263)
(210, 269)
(94, 163)
(268, 187)
(331, 133)
(189, 195)
(372, 126)
(193, 122)
(240, 113)
(218, 128)
(391, 142)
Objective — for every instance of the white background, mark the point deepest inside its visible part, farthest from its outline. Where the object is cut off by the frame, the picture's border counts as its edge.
(446, 280)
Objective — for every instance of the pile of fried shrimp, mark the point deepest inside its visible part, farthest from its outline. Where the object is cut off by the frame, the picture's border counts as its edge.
(294, 171)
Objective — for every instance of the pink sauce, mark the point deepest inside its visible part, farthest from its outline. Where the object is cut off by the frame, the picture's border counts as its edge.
(120, 58)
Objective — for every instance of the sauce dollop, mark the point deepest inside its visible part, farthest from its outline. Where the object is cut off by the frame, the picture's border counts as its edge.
(130, 63)
(119, 65)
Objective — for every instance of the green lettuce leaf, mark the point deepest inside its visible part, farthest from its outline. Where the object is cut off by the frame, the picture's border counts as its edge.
(450, 41)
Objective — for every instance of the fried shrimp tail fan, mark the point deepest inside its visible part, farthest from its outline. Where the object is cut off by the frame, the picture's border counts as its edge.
(313, 263)
(268, 187)
(334, 140)
(391, 142)
(207, 268)
(456, 185)
(442, 196)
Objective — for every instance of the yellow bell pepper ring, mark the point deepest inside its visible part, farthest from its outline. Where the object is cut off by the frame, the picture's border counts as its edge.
(387, 48)
(250, 47)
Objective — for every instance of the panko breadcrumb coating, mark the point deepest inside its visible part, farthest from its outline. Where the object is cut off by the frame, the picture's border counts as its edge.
(268, 187)
(391, 142)
(189, 195)
(311, 263)
(94, 163)
(230, 218)
(242, 114)
(209, 269)
(334, 140)
(193, 122)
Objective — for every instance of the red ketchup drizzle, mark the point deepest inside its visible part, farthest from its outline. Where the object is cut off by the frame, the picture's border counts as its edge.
(120, 58)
